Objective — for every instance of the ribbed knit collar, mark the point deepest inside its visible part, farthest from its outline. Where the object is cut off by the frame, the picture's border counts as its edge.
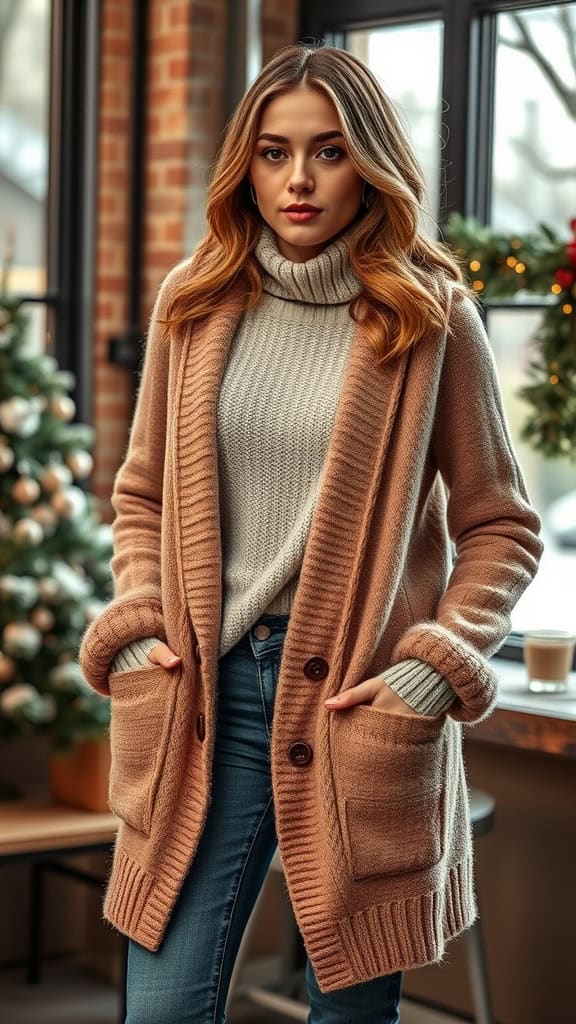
(326, 279)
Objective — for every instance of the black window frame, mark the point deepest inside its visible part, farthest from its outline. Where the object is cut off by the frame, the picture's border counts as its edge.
(468, 85)
(70, 220)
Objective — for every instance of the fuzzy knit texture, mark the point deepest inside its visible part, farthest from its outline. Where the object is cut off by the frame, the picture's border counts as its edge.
(276, 410)
(371, 807)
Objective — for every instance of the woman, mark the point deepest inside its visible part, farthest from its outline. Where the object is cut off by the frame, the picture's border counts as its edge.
(290, 651)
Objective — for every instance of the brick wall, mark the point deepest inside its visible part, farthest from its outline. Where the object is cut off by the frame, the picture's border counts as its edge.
(184, 120)
(111, 390)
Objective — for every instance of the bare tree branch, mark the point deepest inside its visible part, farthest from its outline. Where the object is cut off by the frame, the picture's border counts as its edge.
(569, 30)
(529, 151)
(7, 17)
(527, 45)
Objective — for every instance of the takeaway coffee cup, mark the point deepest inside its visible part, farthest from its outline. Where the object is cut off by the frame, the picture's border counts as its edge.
(548, 655)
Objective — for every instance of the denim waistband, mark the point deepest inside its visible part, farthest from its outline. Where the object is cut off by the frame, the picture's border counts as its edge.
(277, 624)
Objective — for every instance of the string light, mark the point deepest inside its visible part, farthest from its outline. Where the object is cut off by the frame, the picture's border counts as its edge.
(556, 289)
(553, 379)
(475, 265)
(520, 268)
(478, 285)
(511, 261)
(515, 243)
(567, 308)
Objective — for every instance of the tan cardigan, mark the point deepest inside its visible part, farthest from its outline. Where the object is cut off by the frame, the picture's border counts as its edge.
(371, 806)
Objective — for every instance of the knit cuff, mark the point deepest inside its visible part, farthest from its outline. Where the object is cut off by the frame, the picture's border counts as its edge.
(121, 622)
(420, 686)
(134, 655)
(471, 676)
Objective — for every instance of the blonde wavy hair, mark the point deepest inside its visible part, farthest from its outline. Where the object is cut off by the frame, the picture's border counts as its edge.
(400, 271)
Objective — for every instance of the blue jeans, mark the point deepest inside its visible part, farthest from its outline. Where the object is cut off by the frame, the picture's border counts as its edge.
(186, 981)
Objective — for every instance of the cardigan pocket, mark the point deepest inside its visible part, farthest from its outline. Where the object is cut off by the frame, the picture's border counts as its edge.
(141, 712)
(389, 774)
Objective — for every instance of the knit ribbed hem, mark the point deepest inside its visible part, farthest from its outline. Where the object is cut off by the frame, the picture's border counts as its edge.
(121, 622)
(420, 686)
(395, 936)
(134, 655)
(469, 673)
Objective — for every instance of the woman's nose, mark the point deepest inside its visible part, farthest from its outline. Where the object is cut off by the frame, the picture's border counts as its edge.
(300, 179)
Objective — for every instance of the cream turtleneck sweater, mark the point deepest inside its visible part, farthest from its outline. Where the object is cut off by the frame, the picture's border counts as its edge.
(276, 410)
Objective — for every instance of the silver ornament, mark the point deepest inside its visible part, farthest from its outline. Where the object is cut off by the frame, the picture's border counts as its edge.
(23, 589)
(69, 503)
(80, 463)
(19, 416)
(67, 676)
(15, 697)
(21, 640)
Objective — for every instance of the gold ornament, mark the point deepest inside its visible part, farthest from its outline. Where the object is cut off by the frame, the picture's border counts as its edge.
(43, 619)
(62, 407)
(48, 589)
(7, 668)
(80, 462)
(27, 531)
(25, 490)
(47, 518)
(53, 478)
(69, 502)
(6, 459)
(21, 639)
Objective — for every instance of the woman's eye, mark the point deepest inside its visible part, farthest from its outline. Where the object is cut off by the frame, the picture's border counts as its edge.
(266, 153)
(335, 150)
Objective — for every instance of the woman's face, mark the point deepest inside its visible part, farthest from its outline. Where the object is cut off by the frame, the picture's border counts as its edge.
(301, 158)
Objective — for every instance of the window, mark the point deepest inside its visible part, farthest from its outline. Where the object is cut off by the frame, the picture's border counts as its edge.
(48, 122)
(391, 52)
(487, 89)
(24, 116)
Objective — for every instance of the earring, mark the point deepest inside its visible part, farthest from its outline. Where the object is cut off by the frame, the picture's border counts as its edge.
(253, 194)
(366, 197)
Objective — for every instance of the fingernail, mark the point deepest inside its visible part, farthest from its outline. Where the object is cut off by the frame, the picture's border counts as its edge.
(173, 660)
(332, 700)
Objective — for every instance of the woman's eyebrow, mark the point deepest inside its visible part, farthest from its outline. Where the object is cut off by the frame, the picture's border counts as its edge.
(315, 138)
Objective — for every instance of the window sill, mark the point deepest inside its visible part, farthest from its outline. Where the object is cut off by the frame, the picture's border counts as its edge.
(540, 722)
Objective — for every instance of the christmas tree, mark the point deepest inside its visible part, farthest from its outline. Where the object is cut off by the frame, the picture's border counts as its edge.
(54, 550)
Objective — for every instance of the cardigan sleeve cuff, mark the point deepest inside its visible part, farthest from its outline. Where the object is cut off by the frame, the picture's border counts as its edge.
(121, 622)
(472, 678)
(134, 655)
(420, 686)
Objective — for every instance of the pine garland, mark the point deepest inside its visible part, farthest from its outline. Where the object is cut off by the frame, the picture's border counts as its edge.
(541, 264)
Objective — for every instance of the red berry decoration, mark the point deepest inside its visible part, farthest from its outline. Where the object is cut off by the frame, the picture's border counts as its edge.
(565, 279)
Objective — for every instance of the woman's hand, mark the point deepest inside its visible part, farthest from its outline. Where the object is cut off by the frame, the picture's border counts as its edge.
(374, 691)
(162, 655)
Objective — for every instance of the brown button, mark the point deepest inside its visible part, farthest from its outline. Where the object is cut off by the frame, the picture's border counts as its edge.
(197, 652)
(300, 752)
(262, 632)
(200, 726)
(316, 668)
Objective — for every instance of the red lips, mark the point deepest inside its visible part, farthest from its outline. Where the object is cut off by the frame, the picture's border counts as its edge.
(301, 208)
